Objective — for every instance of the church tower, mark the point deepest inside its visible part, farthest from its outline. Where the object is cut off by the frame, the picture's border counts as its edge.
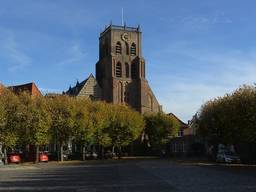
(120, 70)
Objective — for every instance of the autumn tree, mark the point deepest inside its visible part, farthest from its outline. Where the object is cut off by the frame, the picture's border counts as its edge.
(83, 126)
(62, 115)
(126, 125)
(9, 121)
(229, 119)
(160, 128)
(40, 124)
(99, 115)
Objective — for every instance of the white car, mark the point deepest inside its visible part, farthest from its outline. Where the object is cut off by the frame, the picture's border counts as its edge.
(227, 157)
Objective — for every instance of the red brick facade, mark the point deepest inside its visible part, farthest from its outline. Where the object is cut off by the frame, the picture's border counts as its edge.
(31, 88)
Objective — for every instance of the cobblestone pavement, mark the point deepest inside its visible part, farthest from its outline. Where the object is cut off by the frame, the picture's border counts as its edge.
(129, 175)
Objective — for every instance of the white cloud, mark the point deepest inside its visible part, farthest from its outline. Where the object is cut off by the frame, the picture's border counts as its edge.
(10, 49)
(214, 74)
(73, 54)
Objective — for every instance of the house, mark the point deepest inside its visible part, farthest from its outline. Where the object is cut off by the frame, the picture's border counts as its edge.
(30, 88)
(186, 143)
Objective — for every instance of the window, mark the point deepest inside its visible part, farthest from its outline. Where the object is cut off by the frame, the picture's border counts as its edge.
(180, 133)
(133, 49)
(126, 93)
(118, 48)
(118, 70)
(133, 70)
(127, 48)
(127, 72)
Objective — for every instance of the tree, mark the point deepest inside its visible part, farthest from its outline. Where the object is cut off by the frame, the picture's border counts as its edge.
(62, 115)
(160, 128)
(83, 129)
(125, 127)
(9, 121)
(99, 115)
(229, 119)
(40, 124)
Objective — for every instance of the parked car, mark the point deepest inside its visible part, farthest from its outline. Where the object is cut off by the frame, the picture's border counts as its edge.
(43, 157)
(14, 157)
(109, 155)
(91, 155)
(227, 157)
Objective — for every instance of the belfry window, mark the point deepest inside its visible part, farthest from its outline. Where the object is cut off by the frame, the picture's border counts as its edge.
(118, 48)
(127, 72)
(133, 49)
(118, 70)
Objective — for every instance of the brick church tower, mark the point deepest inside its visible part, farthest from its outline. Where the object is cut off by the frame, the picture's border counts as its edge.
(120, 71)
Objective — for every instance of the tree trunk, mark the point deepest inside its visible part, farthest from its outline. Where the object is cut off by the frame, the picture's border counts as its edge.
(37, 154)
(102, 152)
(119, 152)
(61, 152)
(83, 152)
(132, 149)
(5, 156)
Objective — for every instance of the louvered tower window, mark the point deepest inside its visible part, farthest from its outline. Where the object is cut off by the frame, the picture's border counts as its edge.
(118, 70)
(133, 49)
(118, 48)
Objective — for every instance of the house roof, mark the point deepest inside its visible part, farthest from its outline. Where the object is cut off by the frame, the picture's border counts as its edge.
(184, 125)
(31, 88)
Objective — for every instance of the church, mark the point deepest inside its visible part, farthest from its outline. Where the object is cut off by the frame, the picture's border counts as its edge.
(120, 72)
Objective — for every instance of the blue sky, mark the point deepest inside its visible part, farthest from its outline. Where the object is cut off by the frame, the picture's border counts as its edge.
(194, 50)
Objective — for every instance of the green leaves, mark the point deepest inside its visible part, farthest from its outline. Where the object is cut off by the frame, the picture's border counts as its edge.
(160, 128)
(9, 115)
(39, 121)
(230, 119)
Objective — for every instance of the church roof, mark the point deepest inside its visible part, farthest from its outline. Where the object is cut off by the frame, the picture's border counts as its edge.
(74, 91)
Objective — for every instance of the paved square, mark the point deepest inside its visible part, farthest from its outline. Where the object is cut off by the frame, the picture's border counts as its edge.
(132, 175)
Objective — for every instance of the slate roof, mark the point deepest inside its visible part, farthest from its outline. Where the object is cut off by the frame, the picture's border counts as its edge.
(74, 91)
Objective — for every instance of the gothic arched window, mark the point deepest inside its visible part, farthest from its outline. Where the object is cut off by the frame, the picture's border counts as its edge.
(133, 49)
(118, 48)
(118, 70)
(127, 72)
(126, 93)
(127, 48)
(133, 70)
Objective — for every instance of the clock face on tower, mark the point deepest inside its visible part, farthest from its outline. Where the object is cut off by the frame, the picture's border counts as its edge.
(125, 37)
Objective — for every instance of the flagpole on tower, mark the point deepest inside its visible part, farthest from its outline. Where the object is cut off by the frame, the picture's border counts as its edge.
(122, 16)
